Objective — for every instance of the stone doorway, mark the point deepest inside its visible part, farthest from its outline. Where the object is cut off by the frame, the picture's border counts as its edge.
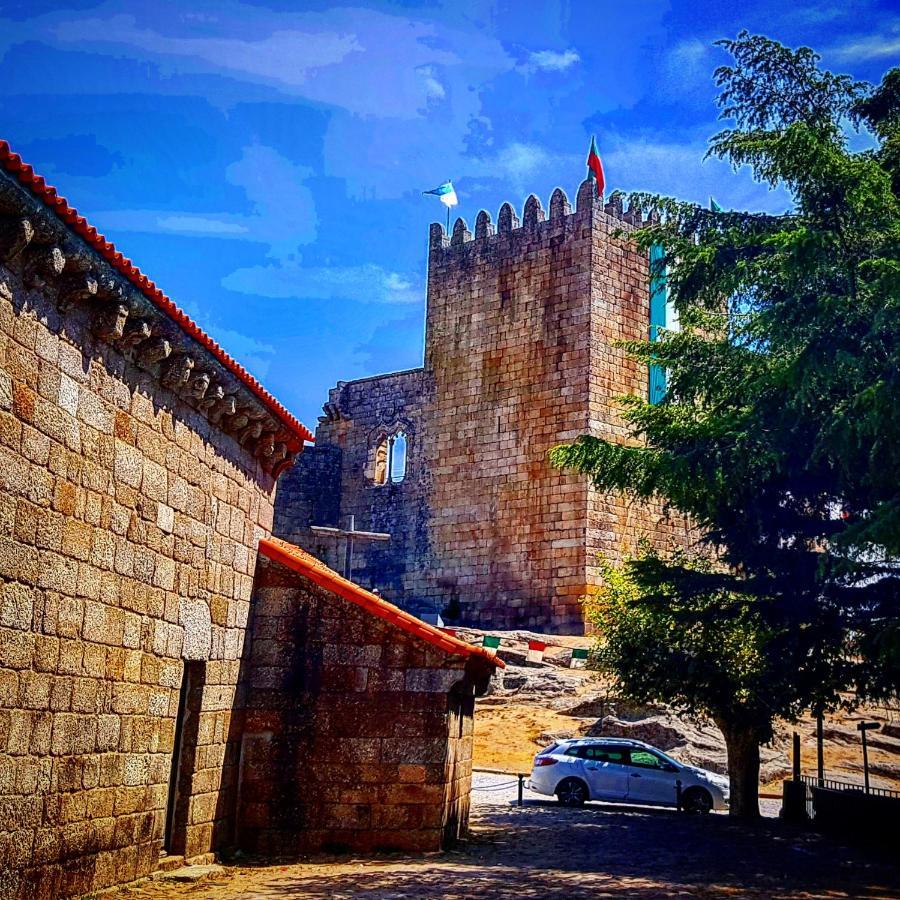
(184, 757)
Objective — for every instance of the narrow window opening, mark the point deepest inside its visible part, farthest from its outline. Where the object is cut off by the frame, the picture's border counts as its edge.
(398, 456)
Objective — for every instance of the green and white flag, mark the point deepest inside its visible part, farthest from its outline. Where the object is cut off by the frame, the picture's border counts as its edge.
(579, 658)
(446, 194)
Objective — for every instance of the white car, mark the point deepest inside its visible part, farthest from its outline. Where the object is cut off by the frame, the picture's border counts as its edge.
(623, 771)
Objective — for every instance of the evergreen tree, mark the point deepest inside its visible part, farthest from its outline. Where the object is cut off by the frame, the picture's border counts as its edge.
(778, 434)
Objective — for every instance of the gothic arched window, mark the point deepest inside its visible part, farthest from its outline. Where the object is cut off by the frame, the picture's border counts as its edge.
(389, 463)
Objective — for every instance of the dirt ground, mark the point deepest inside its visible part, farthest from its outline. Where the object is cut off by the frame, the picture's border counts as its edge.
(544, 851)
(508, 734)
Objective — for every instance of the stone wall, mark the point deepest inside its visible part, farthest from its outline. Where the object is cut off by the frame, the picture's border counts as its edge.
(357, 735)
(335, 480)
(128, 528)
(520, 355)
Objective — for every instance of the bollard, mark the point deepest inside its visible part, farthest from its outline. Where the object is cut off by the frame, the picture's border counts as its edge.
(521, 790)
(678, 794)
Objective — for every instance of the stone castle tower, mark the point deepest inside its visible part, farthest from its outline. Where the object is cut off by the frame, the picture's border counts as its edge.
(520, 356)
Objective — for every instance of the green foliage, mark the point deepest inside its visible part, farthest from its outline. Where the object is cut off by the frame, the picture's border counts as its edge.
(714, 653)
(779, 434)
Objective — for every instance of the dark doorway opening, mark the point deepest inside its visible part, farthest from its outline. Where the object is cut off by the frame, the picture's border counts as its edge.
(184, 756)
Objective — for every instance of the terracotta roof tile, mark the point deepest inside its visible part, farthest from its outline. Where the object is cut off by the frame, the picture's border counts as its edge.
(300, 561)
(24, 173)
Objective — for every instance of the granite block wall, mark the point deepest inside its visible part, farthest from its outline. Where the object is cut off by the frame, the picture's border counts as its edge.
(336, 480)
(520, 355)
(357, 735)
(128, 528)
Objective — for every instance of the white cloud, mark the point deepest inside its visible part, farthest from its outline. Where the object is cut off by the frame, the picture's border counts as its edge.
(679, 170)
(367, 62)
(873, 46)
(552, 60)
(193, 224)
(362, 284)
(283, 212)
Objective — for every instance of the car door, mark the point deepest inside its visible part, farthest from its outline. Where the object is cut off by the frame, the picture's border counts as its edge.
(650, 779)
(606, 771)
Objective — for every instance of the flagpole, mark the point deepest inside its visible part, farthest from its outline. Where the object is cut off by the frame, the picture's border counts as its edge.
(448, 220)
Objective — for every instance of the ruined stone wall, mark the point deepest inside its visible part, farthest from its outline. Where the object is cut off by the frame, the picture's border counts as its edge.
(357, 735)
(336, 479)
(128, 528)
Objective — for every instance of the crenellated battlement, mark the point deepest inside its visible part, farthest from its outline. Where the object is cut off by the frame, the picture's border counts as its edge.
(587, 204)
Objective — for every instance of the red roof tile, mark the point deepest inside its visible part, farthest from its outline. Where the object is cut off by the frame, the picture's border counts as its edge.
(12, 162)
(300, 561)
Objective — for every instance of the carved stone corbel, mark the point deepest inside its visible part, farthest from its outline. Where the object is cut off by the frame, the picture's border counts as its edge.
(153, 351)
(110, 322)
(265, 447)
(110, 290)
(75, 289)
(136, 332)
(238, 421)
(15, 235)
(224, 407)
(214, 395)
(198, 386)
(42, 264)
(250, 433)
(177, 371)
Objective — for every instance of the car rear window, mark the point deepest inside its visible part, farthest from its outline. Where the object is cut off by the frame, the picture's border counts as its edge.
(599, 753)
(548, 749)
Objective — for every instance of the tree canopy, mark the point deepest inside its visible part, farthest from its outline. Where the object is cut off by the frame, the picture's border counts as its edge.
(778, 434)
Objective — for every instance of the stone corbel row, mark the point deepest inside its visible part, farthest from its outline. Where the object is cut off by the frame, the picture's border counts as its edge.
(124, 318)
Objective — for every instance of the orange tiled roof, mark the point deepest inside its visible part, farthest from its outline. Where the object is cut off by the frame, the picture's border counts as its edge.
(300, 561)
(26, 176)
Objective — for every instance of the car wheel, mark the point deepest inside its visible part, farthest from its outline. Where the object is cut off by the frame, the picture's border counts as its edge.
(571, 792)
(697, 801)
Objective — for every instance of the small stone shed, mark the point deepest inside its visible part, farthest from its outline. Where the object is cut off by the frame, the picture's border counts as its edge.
(358, 720)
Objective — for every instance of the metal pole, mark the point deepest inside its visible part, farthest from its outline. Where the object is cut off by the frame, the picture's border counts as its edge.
(865, 760)
(820, 748)
(521, 789)
(796, 761)
(348, 556)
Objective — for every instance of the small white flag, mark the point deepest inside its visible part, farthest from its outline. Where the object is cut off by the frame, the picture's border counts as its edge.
(446, 194)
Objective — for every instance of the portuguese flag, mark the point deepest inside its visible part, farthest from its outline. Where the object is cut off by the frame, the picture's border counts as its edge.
(595, 167)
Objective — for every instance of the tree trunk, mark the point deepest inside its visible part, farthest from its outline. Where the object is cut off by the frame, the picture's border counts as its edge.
(742, 744)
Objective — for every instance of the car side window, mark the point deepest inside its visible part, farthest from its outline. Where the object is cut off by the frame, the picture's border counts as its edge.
(646, 760)
(607, 754)
(575, 751)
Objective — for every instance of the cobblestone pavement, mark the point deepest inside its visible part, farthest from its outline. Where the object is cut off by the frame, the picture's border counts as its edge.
(543, 851)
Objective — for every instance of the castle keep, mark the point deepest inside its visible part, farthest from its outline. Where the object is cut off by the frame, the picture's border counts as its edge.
(520, 355)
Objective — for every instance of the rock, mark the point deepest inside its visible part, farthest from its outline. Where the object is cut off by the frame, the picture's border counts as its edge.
(190, 874)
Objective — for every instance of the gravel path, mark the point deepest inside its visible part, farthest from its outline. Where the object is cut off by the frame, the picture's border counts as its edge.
(543, 851)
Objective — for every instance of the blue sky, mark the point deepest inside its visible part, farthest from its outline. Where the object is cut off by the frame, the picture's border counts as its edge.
(264, 162)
